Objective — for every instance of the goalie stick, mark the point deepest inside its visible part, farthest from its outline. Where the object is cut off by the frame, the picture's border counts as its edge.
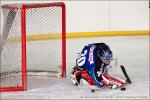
(128, 80)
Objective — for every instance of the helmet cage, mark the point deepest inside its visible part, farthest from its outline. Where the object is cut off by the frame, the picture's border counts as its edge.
(105, 60)
(106, 57)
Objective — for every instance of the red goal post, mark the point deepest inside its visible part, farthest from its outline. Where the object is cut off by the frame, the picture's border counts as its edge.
(21, 50)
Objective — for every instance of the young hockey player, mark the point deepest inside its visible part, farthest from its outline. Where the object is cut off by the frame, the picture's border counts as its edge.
(92, 65)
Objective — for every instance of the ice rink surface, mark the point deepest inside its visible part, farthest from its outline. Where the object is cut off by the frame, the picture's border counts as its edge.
(131, 51)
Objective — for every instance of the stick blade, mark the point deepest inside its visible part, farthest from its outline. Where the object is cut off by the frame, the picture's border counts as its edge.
(125, 74)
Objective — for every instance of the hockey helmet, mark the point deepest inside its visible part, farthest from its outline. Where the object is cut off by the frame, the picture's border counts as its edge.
(104, 53)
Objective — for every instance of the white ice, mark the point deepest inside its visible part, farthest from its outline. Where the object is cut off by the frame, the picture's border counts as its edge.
(131, 51)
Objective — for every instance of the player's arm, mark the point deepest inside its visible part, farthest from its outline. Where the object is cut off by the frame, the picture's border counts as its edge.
(98, 83)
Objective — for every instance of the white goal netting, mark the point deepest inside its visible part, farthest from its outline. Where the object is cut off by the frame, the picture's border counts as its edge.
(43, 28)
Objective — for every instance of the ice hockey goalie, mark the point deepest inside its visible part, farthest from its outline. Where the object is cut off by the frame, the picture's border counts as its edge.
(92, 66)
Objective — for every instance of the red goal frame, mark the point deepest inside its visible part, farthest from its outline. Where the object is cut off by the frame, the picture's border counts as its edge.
(23, 40)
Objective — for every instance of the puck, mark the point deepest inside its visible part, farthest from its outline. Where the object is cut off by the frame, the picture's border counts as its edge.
(123, 89)
(92, 90)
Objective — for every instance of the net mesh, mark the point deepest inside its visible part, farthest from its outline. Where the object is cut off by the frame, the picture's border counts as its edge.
(10, 51)
(43, 43)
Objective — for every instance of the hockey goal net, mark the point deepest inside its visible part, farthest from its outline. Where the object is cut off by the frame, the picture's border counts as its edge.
(33, 41)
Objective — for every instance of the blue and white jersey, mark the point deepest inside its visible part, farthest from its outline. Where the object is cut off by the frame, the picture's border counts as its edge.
(88, 60)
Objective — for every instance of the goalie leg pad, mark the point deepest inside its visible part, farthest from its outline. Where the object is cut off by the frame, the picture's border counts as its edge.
(87, 77)
(112, 81)
(76, 76)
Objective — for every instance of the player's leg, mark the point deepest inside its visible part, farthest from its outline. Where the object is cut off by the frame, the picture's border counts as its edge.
(80, 75)
(112, 81)
(75, 75)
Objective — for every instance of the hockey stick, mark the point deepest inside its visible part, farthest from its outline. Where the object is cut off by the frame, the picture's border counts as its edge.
(125, 74)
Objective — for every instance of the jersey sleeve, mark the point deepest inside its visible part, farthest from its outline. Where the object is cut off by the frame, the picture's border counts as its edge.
(95, 68)
(92, 74)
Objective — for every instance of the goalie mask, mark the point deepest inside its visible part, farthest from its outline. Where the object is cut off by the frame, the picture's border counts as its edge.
(105, 54)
